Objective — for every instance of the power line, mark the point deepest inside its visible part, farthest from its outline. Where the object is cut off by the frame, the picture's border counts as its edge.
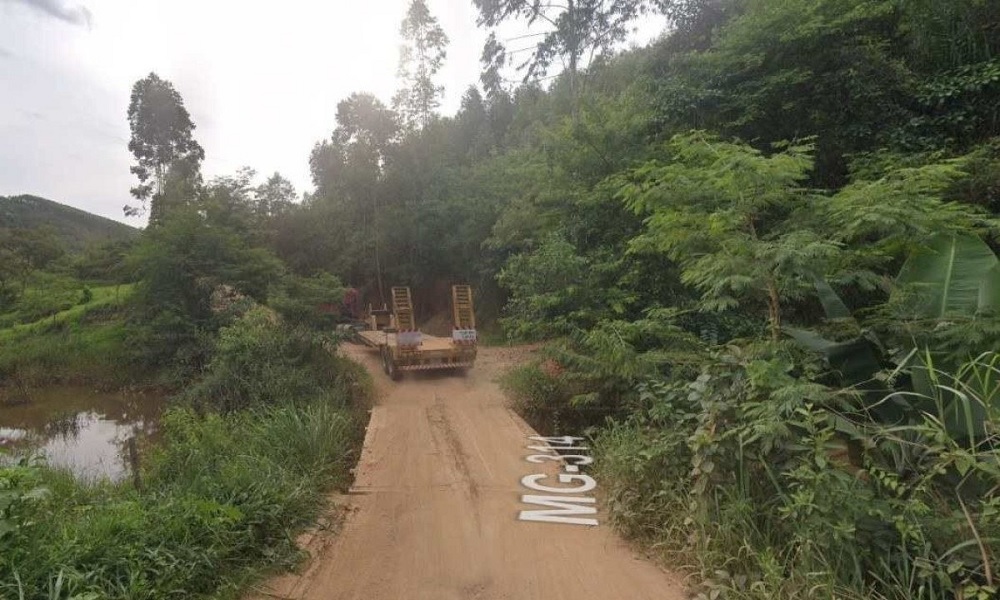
(528, 35)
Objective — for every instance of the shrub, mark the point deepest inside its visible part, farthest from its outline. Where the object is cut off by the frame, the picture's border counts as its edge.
(300, 300)
(258, 360)
(748, 475)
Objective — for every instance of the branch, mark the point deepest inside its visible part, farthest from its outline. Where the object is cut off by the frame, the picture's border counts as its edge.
(537, 13)
(528, 35)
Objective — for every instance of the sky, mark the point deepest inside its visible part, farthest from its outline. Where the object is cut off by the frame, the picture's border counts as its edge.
(260, 78)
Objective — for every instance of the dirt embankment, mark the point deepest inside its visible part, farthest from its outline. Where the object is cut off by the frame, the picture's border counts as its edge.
(433, 514)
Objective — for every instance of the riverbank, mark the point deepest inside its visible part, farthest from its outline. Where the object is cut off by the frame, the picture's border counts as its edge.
(237, 474)
(78, 427)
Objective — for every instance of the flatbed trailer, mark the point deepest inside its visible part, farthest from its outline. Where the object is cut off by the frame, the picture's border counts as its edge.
(402, 347)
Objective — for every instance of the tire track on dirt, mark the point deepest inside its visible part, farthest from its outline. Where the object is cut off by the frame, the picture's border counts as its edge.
(447, 442)
(434, 510)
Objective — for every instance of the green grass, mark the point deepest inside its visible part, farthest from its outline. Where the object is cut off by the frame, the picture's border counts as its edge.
(224, 499)
(912, 517)
(241, 468)
(43, 307)
(84, 342)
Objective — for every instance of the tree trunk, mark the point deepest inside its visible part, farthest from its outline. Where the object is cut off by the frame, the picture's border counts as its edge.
(573, 46)
(774, 309)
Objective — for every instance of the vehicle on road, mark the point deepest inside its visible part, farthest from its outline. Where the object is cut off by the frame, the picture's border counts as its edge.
(403, 347)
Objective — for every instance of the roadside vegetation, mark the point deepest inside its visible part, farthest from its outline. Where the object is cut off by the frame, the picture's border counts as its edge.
(220, 497)
(769, 265)
(265, 419)
(270, 423)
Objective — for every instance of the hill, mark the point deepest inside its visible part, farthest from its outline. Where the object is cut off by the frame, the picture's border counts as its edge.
(77, 228)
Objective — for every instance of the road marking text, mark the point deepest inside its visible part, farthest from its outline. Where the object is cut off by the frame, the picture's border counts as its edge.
(563, 508)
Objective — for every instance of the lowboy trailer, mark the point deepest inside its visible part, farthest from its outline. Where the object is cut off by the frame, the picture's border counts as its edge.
(403, 347)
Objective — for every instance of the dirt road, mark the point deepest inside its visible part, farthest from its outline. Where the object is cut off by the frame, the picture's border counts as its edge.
(434, 509)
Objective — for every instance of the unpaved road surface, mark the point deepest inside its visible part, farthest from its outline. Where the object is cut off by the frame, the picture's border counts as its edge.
(433, 514)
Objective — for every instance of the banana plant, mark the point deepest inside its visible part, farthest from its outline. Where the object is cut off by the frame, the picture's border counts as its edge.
(952, 277)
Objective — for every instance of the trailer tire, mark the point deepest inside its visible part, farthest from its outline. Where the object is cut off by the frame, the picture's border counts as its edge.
(388, 366)
(391, 369)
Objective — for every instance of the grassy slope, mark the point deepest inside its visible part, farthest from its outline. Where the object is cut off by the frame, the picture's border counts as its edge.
(75, 227)
(81, 343)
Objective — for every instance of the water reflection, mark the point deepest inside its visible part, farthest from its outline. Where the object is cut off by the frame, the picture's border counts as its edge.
(80, 429)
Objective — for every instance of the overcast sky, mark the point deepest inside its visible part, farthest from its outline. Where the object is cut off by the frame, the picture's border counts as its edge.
(261, 80)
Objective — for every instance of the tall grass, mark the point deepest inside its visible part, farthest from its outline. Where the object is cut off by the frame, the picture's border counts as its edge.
(231, 483)
(224, 497)
(761, 501)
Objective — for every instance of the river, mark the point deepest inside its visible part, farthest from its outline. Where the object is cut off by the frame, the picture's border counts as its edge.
(78, 428)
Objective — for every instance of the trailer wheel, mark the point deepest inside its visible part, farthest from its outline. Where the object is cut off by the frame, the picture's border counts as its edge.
(391, 369)
(385, 360)
(388, 366)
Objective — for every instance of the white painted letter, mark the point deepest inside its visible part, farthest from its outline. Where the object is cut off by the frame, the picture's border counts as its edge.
(565, 440)
(562, 507)
(555, 448)
(539, 458)
(529, 481)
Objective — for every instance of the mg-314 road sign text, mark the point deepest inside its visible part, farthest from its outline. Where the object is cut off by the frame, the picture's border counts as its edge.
(565, 502)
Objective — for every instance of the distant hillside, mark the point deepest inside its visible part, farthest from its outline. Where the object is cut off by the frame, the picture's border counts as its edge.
(77, 228)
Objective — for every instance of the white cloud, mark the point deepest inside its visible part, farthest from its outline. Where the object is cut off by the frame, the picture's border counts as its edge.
(260, 79)
(77, 14)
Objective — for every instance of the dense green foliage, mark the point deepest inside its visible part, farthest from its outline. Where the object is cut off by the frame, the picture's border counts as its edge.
(255, 359)
(772, 486)
(791, 334)
(766, 245)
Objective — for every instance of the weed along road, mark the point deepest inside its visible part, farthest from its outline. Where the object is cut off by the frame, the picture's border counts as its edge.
(446, 505)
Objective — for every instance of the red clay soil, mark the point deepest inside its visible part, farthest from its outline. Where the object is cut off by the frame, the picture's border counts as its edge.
(433, 514)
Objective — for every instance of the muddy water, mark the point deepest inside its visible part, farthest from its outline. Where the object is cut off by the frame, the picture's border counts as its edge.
(78, 428)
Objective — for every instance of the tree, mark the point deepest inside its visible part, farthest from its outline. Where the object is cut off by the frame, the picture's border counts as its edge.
(366, 124)
(733, 220)
(228, 201)
(348, 170)
(420, 58)
(180, 265)
(475, 136)
(167, 156)
(24, 251)
(274, 197)
(574, 30)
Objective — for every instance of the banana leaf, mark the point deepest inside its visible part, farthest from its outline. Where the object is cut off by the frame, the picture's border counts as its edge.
(832, 304)
(948, 276)
(856, 363)
(989, 291)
